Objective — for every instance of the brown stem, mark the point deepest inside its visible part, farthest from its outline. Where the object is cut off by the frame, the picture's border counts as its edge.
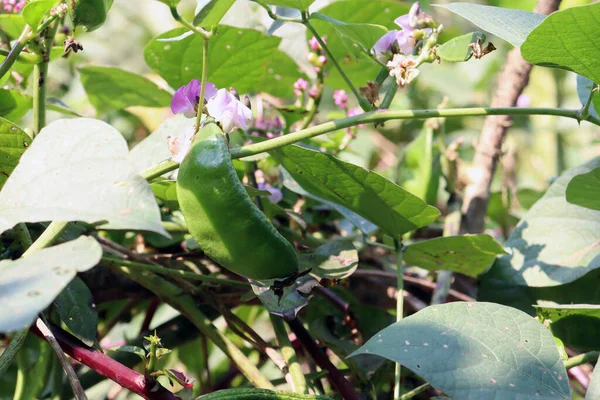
(107, 367)
(511, 82)
(335, 377)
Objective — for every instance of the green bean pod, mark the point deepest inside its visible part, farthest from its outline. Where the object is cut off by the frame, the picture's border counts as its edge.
(220, 215)
(258, 394)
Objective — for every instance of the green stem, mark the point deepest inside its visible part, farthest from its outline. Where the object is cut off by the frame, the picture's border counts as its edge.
(364, 103)
(375, 117)
(415, 391)
(47, 22)
(203, 84)
(15, 52)
(584, 358)
(389, 95)
(399, 311)
(198, 31)
(40, 79)
(152, 360)
(48, 237)
(275, 16)
(12, 349)
(187, 306)
(117, 262)
(25, 58)
(288, 352)
(585, 110)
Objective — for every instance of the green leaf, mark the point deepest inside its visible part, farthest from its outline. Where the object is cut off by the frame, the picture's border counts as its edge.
(35, 363)
(138, 351)
(584, 87)
(337, 259)
(153, 149)
(555, 242)
(577, 325)
(584, 190)
(78, 170)
(298, 4)
(12, 24)
(365, 226)
(34, 12)
(166, 193)
(366, 193)
(111, 88)
(14, 105)
(566, 40)
(419, 170)
(359, 69)
(90, 14)
(209, 15)
(77, 310)
(476, 351)
(356, 37)
(458, 49)
(13, 143)
(290, 300)
(593, 391)
(242, 58)
(30, 284)
(508, 24)
(470, 255)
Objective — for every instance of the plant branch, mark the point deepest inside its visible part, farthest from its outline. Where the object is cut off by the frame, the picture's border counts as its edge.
(584, 358)
(40, 78)
(15, 52)
(198, 31)
(374, 117)
(12, 349)
(48, 237)
(335, 377)
(415, 391)
(298, 381)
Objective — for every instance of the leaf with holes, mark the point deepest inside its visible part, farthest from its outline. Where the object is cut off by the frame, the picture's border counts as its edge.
(567, 40)
(77, 310)
(366, 193)
(584, 190)
(470, 255)
(78, 170)
(110, 88)
(556, 242)
(241, 58)
(510, 25)
(337, 259)
(473, 351)
(28, 285)
(13, 143)
(577, 325)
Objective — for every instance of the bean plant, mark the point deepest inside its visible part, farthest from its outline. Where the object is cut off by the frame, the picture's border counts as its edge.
(255, 218)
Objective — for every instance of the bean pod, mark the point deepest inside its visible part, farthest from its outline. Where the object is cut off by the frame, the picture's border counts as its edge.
(220, 215)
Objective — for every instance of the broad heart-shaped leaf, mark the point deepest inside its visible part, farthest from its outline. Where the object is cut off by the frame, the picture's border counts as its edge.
(90, 14)
(337, 259)
(577, 325)
(241, 58)
(510, 25)
(593, 391)
(584, 190)
(77, 310)
(366, 193)
(357, 38)
(299, 4)
(153, 149)
(566, 39)
(359, 69)
(584, 87)
(555, 243)
(13, 143)
(469, 255)
(113, 88)
(474, 351)
(28, 285)
(419, 170)
(457, 49)
(365, 226)
(78, 170)
(208, 15)
(34, 11)
(12, 24)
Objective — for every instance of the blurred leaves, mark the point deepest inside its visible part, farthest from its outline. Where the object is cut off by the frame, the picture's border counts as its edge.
(584, 190)
(13, 143)
(577, 325)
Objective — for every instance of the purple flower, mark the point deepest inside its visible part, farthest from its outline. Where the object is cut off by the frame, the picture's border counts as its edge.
(228, 110)
(340, 98)
(186, 98)
(276, 195)
(405, 38)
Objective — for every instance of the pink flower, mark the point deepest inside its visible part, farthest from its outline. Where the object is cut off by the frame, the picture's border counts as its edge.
(186, 98)
(523, 101)
(300, 86)
(313, 92)
(403, 69)
(340, 98)
(314, 44)
(228, 110)
(356, 111)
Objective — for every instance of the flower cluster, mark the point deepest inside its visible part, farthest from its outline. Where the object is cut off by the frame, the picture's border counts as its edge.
(12, 6)
(340, 98)
(403, 69)
(224, 106)
(317, 55)
(404, 40)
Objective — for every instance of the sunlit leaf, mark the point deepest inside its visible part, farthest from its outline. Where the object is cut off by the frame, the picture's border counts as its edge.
(584, 190)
